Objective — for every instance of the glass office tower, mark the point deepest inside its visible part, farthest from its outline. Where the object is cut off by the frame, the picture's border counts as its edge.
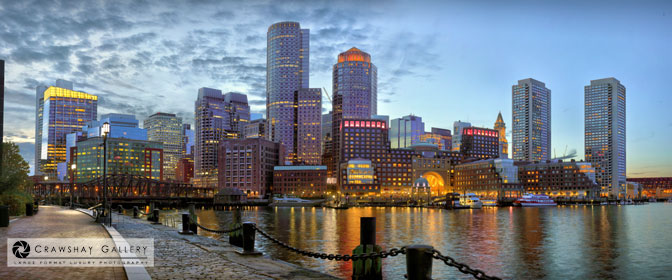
(167, 129)
(531, 121)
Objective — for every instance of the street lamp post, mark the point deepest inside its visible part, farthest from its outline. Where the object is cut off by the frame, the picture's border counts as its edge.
(72, 184)
(104, 131)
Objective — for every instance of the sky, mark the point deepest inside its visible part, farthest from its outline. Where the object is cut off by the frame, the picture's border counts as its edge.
(441, 60)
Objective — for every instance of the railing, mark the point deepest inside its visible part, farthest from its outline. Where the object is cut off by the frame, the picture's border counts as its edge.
(367, 257)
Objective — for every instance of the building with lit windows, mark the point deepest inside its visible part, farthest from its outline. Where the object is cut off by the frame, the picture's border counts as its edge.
(185, 169)
(217, 117)
(479, 143)
(124, 156)
(308, 128)
(458, 126)
(355, 78)
(605, 134)
(167, 129)
(558, 179)
(531, 121)
(300, 180)
(248, 164)
(394, 171)
(654, 187)
(436, 166)
(490, 179)
(255, 129)
(60, 110)
(439, 137)
(500, 126)
(287, 83)
(406, 131)
(359, 176)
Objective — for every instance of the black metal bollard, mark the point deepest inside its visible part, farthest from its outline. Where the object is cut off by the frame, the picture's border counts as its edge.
(121, 209)
(185, 224)
(419, 262)
(4, 216)
(155, 217)
(248, 239)
(135, 212)
(236, 237)
(192, 214)
(29, 209)
(370, 268)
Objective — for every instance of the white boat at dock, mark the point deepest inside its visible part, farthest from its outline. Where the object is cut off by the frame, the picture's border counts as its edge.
(469, 201)
(294, 202)
(535, 200)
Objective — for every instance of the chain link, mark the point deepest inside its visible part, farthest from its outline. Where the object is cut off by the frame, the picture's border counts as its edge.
(477, 273)
(239, 227)
(373, 255)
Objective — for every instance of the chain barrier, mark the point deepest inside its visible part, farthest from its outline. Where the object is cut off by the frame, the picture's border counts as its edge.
(392, 252)
(239, 227)
(477, 273)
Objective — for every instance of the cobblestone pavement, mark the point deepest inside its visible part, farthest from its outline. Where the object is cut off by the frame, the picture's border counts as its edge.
(200, 257)
(55, 222)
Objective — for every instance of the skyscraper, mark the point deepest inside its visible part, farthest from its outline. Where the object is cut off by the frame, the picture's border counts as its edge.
(308, 128)
(167, 129)
(503, 143)
(217, 116)
(287, 71)
(605, 134)
(406, 131)
(60, 110)
(458, 126)
(356, 79)
(531, 120)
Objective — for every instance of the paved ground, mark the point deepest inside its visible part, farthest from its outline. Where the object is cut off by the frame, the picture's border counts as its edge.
(54, 222)
(199, 257)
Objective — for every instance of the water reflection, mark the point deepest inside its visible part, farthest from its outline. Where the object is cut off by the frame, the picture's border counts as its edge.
(623, 242)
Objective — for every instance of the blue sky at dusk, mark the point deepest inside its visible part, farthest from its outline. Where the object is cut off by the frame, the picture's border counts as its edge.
(441, 60)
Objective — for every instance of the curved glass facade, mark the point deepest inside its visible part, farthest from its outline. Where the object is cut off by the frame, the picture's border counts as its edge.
(356, 79)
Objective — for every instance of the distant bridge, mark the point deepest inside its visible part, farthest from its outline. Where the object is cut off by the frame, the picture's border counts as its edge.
(124, 188)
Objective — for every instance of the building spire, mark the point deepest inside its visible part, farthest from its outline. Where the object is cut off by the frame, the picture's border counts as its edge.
(499, 117)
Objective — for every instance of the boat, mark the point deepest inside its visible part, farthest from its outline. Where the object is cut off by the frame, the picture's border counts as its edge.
(489, 203)
(529, 200)
(469, 201)
(294, 202)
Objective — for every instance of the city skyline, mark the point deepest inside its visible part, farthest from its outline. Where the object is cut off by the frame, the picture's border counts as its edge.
(403, 74)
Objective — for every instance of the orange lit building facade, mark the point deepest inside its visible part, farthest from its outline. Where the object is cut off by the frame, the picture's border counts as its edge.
(655, 187)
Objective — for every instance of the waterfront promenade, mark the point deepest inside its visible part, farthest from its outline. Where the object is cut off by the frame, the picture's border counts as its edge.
(55, 222)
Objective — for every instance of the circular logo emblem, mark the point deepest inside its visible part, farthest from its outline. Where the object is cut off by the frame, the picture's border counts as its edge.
(21, 249)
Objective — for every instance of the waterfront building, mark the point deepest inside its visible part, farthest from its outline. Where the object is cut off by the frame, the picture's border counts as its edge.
(290, 104)
(355, 79)
(188, 140)
(605, 134)
(394, 171)
(361, 139)
(358, 176)
(490, 179)
(167, 129)
(124, 156)
(255, 129)
(60, 110)
(440, 137)
(436, 166)
(500, 126)
(531, 120)
(217, 117)
(457, 134)
(558, 179)
(185, 169)
(479, 143)
(655, 187)
(247, 164)
(300, 180)
(633, 190)
(406, 131)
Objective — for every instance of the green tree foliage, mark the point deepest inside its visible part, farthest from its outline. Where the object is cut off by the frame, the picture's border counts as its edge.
(14, 179)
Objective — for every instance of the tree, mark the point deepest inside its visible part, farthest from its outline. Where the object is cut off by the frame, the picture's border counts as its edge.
(14, 169)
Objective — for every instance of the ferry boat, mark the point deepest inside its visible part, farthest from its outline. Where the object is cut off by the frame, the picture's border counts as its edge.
(535, 200)
(471, 201)
(294, 202)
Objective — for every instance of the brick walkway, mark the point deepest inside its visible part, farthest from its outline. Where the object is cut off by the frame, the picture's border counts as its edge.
(55, 222)
(199, 257)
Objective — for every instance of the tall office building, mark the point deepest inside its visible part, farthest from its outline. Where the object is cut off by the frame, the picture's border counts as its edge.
(255, 129)
(217, 116)
(531, 120)
(356, 79)
(167, 129)
(59, 111)
(287, 72)
(406, 131)
(308, 128)
(188, 140)
(503, 143)
(605, 134)
(458, 126)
